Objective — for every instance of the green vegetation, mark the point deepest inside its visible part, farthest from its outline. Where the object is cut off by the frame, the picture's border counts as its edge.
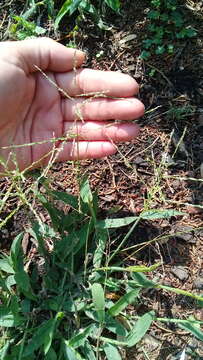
(167, 24)
(23, 28)
(71, 304)
(86, 7)
(71, 300)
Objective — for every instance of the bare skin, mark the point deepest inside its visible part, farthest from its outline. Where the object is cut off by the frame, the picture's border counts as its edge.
(33, 110)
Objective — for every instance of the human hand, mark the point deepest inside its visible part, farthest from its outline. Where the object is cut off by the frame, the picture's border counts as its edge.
(33, 110)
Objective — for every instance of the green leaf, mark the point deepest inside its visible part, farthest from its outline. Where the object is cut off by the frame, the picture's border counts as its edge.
(16, 250)
(70, 353)
(200, 302)
(86, 6)
(39, 30)
(66, 198)
(74, 6)
(79, 339)
(191, 32)
(160, 214)
(147, 43)
(136, 269)
(179, 291)
(123, 302)
(23, 281)
(40, 337)
(85, 191)
(88, 351)
(153, 14)
(115, 223)
(181, 34)
(8, 318)
(170, 49)
(160, 50)
(145, 215)
(140, 329)
(21, 277)
(113, 4)
(192, 328)
(101, 239)
(4, 350)
(98, 300)
(50, 7)
(6, 266)
(49, 336)
(142, 281)
(111, 352)
(3, 284)
(63, 11)
(164, 17)
(115, 326)
(177, 18)
(39, 231)
(145, 54)
(10, 281)
(51, 355)
(55, 214)
(73, 242)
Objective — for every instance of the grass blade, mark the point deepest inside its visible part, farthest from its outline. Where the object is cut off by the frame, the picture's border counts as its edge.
(160, 214)
(88, 351)
(40, 337)
(132, 269)
(66, 198)
(146, 215)
(4, 350)
(70, 353)
(111, 352)
(79, 339)
(140, 329)
(99, 301)
(123, 302)
(6, 266)
(192, 328)
(8, 318)
(142, 281)
(62, 12)
(85, 191)
(101, 239)
(21, 277)
(115, 223)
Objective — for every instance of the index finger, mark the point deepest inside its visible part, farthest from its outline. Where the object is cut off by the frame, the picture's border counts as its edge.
(88, 81)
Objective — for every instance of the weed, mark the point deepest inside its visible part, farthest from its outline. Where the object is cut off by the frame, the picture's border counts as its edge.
(167, 24)
(86, 7)
(65, 311)
(71, 301)
(23, 28)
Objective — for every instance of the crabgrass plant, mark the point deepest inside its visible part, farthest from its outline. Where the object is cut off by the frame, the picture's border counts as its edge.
(70, 301)
(63, 308)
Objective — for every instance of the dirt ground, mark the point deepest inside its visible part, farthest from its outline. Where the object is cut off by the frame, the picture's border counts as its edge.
(153, 169)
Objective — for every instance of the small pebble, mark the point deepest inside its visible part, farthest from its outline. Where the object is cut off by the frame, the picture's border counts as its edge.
(198, 283)
(185, 234)
(180, 272)
(140, 161)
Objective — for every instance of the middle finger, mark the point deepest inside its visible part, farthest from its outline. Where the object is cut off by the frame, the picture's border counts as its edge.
(102, 109)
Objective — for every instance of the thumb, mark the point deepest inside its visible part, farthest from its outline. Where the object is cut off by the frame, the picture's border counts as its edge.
(47, 54)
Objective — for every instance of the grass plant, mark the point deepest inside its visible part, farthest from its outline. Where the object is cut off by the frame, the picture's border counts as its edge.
(71, 301)
(72, 298)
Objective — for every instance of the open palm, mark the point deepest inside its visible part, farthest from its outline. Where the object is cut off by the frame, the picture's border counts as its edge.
(34, 110)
